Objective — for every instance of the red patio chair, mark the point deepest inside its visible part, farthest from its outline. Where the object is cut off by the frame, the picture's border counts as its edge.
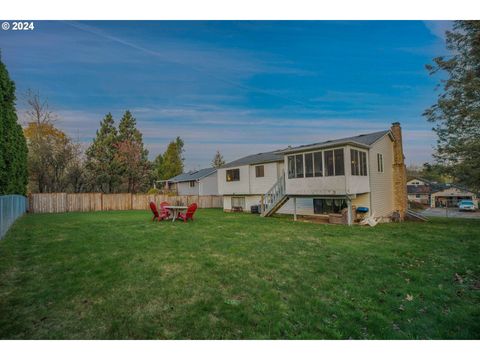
(189, 214)
(164, 211)
(156, 215)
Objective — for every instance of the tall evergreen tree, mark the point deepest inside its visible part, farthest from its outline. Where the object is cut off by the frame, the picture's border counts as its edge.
(173, 159)
(158, 167)
(102, 162)
(13, 147)
(457, 111)
(218, 160)
(132, 155)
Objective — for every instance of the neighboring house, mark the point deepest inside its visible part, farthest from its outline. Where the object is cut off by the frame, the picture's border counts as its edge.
(199, 182)
(437, 195)
(447, 195)
(418, 181)
(418, 190)
(362, 171)
(244, 181)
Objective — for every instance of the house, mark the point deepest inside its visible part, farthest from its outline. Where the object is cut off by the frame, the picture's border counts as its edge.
(328, 178)
(243, 182)
(198, 182)
(435, 194)
(418, 190)
(448, 195)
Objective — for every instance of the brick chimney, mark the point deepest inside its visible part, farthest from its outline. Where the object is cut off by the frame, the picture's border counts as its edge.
(399, 172)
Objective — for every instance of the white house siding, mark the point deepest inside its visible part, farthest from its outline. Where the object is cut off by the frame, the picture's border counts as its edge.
(381, 184)
(183, 188)
(249, 184)
(361, 200)
(249, 201)
(305, 205)
(208, 185)
(234, 187)
(260, 185)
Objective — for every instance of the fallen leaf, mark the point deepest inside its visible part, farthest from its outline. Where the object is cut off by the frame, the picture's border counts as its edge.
(458, 278)
(409, 297)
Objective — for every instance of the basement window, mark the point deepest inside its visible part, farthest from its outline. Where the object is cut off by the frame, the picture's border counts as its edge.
(328, 206)
(238, 202)
(233, 175)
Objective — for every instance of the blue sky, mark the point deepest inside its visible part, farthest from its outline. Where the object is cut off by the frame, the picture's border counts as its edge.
(237, 86)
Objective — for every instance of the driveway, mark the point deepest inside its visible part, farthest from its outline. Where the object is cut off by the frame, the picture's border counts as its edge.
(450, 212)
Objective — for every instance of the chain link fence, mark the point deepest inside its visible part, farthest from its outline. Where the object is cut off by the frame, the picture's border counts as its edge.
(11, 208)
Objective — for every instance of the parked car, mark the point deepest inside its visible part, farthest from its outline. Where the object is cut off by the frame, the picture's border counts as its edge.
(466, 205)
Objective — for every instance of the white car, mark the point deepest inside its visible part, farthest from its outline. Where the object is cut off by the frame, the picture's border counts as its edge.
(466, 205)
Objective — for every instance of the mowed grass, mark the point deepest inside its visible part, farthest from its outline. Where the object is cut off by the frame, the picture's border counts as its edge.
(117, 275)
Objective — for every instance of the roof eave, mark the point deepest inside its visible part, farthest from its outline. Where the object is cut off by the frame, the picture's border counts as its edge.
(324, 146)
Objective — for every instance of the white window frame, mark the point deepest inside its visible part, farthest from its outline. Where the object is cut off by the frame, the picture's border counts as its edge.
(380, 163)
(263, 171)
(360, 167)
(324, 164)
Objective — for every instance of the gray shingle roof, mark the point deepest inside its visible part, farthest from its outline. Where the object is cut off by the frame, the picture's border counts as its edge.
(193, 175)
(259, 158)
(363, 139)
(418, 189)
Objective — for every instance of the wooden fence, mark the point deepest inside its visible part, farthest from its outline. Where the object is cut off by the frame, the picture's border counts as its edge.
(63, 202)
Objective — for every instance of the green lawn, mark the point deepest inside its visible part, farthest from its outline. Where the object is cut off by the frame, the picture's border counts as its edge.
(117, 275)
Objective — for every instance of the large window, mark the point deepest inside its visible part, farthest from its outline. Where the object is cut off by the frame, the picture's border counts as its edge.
(259, 171)
(358, 162)
(313, 165)
(291, 167)
(317, 163)
(334, 162)
(299, 166)
(309, 165)
(329, 168)
(380, 163)
(295, 166)
(339, 162)
(233, 175)
(328, 206)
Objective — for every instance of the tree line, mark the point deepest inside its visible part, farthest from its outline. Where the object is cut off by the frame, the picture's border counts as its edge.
(115, 161)
(43, 158)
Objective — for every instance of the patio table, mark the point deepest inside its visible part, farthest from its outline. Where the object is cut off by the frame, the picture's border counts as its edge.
(175, 210)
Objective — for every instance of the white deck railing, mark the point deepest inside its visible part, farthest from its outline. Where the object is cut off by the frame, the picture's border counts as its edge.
(274, 195)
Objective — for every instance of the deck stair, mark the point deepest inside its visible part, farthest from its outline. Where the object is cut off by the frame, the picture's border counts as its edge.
(274, 198)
